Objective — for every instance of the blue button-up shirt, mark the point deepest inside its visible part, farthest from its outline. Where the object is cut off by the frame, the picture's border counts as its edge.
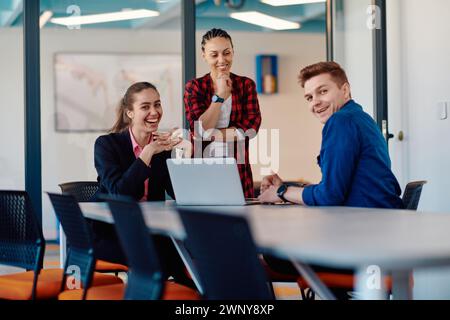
(355, 164)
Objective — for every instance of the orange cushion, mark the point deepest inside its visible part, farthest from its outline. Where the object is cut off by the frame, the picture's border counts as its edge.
(110, 292)
(173, 291)
(18, 286)
(101, 279)
(102, 265)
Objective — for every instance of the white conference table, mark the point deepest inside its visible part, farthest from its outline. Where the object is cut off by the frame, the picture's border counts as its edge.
(366, 240)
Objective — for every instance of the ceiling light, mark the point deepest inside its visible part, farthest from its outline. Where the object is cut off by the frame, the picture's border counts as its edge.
(278, 3)
(264, 20)
(105, 17)
(45, 16)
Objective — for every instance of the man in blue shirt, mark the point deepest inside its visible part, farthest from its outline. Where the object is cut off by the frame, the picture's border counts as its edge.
(354, 159)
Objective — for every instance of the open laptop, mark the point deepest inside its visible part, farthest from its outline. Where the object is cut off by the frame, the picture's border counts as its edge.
(207, 182)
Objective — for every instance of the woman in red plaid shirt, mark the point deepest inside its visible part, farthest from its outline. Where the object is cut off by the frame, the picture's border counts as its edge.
(222, 108)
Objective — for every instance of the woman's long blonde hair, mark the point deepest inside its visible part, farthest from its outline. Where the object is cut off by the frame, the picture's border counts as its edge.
(126, 104)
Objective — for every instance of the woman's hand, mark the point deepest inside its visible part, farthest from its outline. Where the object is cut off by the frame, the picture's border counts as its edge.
(166, 141)
(160, 142)
(186, 148)
(222, 88)
(184, 145)
(224, 85)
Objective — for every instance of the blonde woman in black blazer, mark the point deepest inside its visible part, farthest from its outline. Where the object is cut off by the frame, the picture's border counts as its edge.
(131, 161)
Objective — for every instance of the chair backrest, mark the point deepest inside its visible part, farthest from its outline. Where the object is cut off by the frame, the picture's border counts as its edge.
(411, 195)
(83, 191)
(81, 255)
(22, 243)
(225, 255)
(145, 277)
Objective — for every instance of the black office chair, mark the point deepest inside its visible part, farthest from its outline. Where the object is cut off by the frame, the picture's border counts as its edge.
(22, 245)
(83, 191)
(81, 254)
(146, 280)
(225, 256)
(411, 194)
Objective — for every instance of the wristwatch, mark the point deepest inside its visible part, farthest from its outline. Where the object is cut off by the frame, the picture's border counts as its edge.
(281, 191)
(218, 99)
(296, 184)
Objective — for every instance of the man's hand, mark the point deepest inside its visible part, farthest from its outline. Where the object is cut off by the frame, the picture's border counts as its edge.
(268, 181)
(270, 195)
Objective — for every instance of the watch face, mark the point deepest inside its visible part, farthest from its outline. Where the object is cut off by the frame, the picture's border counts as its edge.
(282, 189)
(216, 98)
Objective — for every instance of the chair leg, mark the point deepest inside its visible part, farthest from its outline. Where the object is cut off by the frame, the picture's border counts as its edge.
(310, 294)
(271, 288)
(302, 291)
(307, 294)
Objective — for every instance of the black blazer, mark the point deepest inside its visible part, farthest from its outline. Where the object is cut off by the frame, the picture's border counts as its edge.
(120, 172)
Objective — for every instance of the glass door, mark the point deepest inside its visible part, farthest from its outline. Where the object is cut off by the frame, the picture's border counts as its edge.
(358, 36)
(350, 43)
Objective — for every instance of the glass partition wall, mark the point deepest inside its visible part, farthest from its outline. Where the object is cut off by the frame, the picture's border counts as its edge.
(12, 155)
(272, 41)
(353, 22)
(91, 52)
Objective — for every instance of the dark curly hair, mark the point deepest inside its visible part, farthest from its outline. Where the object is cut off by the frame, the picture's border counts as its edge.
(215, 33)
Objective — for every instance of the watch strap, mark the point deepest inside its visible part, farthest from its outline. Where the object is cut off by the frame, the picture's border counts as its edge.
(217, 99)
(295, 184)
(281, 191)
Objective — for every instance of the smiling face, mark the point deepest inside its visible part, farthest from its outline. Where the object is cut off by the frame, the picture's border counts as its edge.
(325, 97)
(218, 54)
(147, 111)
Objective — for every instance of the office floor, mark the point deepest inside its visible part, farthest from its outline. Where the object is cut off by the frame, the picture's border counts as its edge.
(283, 291)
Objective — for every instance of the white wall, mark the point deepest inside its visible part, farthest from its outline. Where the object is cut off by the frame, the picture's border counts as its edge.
(419, 78)
(423, 52)
(12, 111)
(69, 156)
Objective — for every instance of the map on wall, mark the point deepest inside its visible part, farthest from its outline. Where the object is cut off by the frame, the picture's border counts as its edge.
(88, 87)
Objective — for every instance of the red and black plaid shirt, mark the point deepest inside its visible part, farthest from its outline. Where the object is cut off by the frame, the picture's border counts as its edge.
(245, 114)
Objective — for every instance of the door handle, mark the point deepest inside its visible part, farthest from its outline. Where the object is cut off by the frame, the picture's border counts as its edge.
(385, 132)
